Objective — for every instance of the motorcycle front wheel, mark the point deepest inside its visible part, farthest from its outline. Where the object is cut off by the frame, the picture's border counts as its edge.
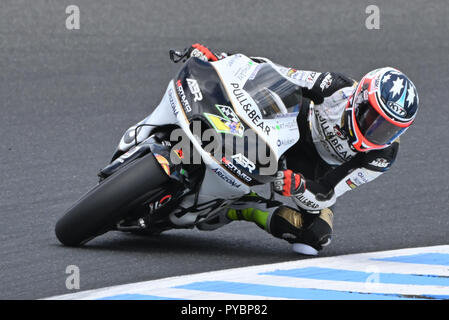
(109, 202)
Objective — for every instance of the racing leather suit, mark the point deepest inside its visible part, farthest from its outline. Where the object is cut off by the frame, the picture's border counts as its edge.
(324, 155)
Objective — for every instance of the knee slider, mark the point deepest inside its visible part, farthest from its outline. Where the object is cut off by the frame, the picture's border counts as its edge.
(318, 233)
(298, 227)
(286, 223)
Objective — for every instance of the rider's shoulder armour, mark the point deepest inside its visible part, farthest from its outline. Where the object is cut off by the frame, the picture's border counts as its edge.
(382, 159)
(327, 84)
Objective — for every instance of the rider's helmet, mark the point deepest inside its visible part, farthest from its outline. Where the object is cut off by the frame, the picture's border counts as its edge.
(382, 107)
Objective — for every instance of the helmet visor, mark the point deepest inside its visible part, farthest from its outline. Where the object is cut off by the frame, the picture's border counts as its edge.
(375, 128)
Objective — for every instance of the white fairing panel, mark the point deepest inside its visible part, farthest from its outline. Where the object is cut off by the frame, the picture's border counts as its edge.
(166, 112)
(219, 183)
(279, 132)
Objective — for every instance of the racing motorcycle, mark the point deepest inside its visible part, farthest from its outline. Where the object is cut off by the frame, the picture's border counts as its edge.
(163, 175)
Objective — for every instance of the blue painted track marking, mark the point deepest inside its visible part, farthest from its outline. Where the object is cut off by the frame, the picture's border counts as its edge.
(286, 292)
(415, 273)
(359, 276)
(127, 296)
(422, 258)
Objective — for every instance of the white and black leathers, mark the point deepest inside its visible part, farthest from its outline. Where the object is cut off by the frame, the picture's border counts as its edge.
(324, 155)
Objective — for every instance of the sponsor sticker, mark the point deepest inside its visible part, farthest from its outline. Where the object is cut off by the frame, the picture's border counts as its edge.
(327, 81)
(172, 102)
(311, 76)
(291, 72)
(183, 97)
(242, 72)
(290, 125)
(163, 162)
(251, 111)
(351, 184)
(307, 202)
(229, 165)
(285, 141)
(229, 123)
(380, 162)
(397, 108)
(332, 138)
(244, 162)
(226, 178)
(194, 89)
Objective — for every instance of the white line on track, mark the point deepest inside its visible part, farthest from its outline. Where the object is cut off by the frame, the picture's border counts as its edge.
(413, 273)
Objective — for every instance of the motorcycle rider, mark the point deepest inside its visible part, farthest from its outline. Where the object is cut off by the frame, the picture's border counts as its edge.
(349, 136)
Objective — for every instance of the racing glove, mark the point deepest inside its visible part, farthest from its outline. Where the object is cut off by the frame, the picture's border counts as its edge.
(196, 50)
(288, 183)
(203, 53)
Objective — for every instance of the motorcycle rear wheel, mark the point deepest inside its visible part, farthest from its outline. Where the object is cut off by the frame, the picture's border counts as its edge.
(109, 202)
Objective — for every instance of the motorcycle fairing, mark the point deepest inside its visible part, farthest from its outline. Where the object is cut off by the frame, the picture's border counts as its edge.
(215, 84)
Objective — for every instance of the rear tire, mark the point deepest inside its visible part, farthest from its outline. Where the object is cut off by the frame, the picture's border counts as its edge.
(103, 206)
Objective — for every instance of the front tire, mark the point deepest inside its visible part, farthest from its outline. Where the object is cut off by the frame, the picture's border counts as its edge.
(109, 202)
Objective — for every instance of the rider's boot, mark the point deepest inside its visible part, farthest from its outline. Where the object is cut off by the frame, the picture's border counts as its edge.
(309, 233)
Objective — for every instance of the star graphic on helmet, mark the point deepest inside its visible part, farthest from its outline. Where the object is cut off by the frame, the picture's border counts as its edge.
(398, 84)
(411, 95)
(386, 78)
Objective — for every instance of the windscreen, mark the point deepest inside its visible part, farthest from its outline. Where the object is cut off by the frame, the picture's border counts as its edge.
(273, 94)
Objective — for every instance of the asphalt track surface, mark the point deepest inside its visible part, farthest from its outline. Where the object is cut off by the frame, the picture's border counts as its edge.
(66, 98)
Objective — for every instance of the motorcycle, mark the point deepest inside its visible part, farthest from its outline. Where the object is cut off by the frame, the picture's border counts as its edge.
(163, 175)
